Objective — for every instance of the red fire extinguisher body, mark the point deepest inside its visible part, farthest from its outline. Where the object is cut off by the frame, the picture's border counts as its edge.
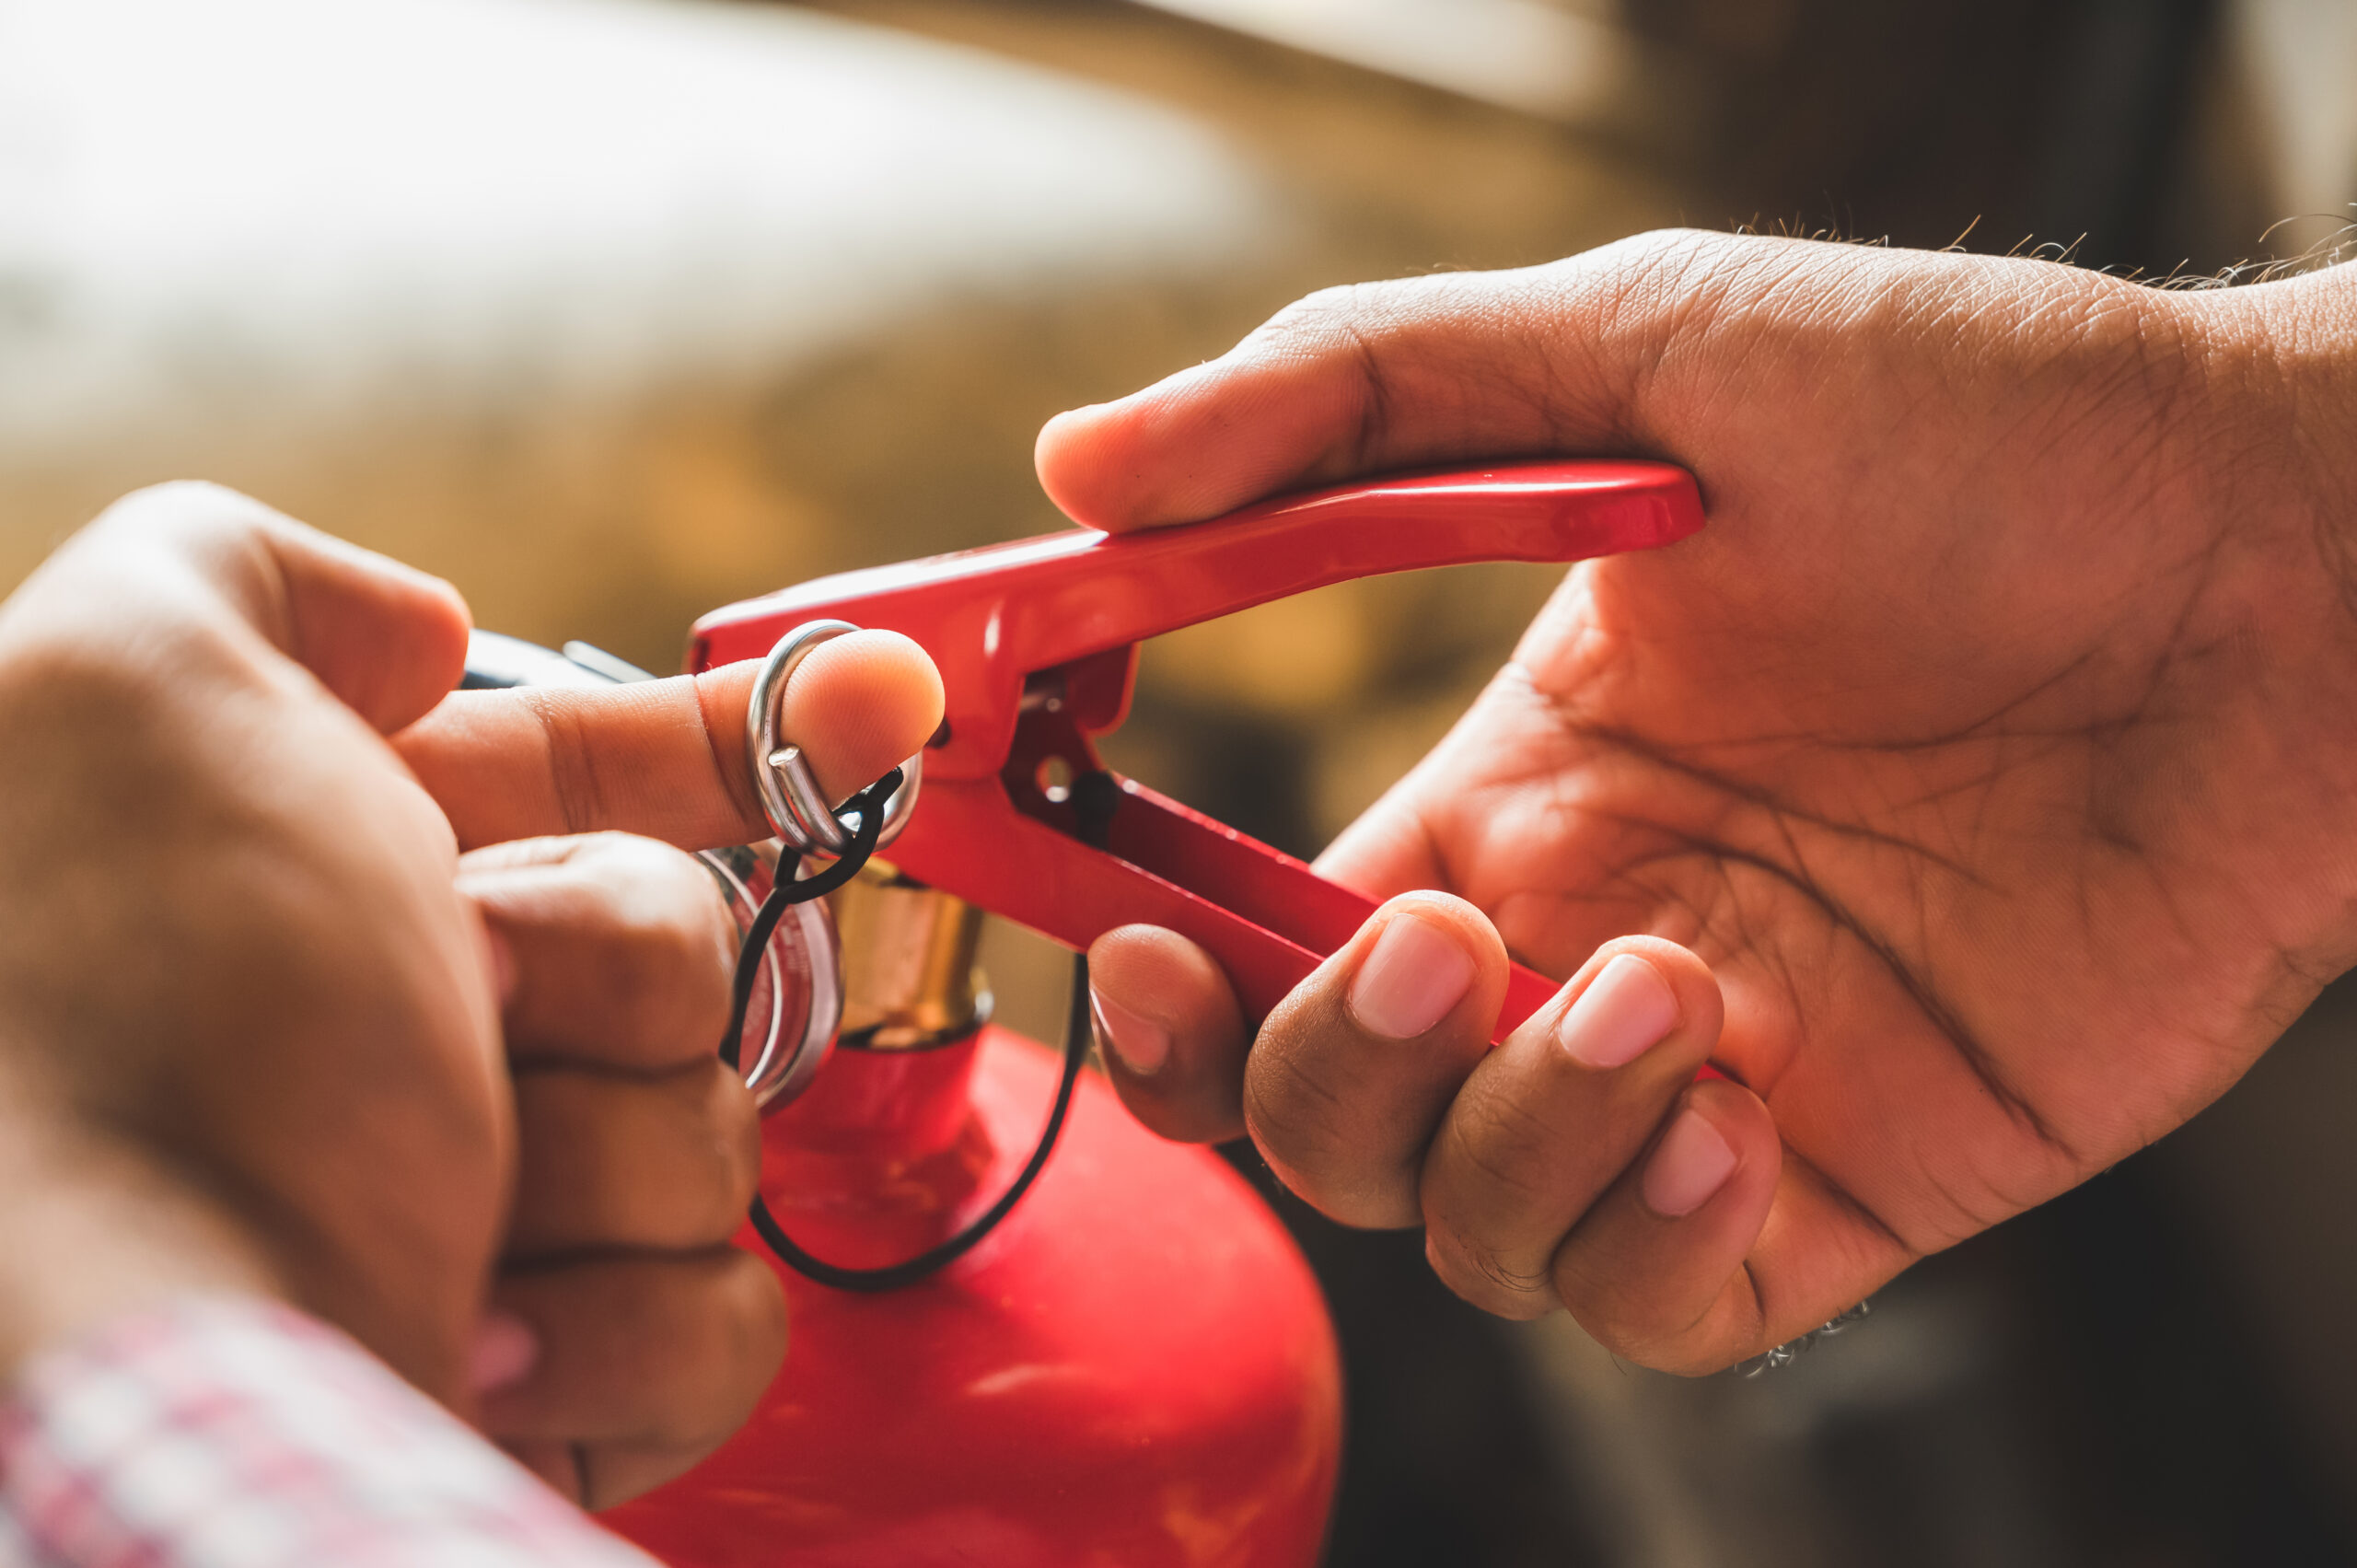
(1135, 1369)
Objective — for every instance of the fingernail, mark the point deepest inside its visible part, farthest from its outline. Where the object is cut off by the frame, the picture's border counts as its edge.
(1624, 1013)
(1692, 1163)
(1141, 1044)
(1411, 980)
(503, 1352)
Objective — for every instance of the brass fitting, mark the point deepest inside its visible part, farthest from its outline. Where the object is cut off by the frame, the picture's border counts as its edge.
(908, 963)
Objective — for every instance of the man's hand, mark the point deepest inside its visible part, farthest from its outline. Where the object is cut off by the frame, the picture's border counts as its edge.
(626, 1337)
(264, 1027)
(1992, 745)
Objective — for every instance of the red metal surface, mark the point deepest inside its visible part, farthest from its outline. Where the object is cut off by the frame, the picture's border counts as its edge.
(1037, 642)
(1134, 1369)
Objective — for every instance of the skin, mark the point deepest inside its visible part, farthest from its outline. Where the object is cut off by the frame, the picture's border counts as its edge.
(265, 1028)
(1979, 784)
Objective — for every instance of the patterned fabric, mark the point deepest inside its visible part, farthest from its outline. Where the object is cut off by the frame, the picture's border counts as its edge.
(240, 1434)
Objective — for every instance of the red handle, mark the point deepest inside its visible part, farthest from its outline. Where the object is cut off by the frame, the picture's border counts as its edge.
(991, 617)
(1077, 603)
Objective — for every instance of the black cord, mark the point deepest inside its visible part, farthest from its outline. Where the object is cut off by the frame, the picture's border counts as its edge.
(1094, 796)
(786, 892)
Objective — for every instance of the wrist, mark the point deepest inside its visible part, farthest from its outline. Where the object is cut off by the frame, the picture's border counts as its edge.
(92, 1230)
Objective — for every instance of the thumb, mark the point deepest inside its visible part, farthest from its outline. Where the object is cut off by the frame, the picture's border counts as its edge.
(386, 639)
(666, 757)
(1546, 360)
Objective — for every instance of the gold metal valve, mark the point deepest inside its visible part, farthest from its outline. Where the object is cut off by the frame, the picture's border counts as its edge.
(909, 981)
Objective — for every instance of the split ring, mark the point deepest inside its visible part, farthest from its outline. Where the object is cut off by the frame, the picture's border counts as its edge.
(797, 808)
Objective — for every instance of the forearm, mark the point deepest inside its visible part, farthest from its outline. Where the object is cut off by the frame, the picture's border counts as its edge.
(91, 1231)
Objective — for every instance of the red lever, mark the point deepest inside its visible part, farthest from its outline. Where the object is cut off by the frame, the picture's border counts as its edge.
(1037, 644)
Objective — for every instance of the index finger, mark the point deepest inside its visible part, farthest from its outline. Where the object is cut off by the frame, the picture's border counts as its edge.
(666, 758)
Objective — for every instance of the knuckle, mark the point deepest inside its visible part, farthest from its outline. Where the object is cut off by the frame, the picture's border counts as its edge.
(646, 868)
(1364, 1192)
(479, 868)
(575, 777)
(1316, 312)
(672, 1351)
(1665, 257)
(1181, 1113)
(46, 677)
(1336, 318)
(695, 917)
(733, 1128)
(1485, 1278)
(616, 1161)
(706, 1160)
(179, 503)
(1345, 1122)
(671, 936)
(741, 1308)
(1502, 1149)
(185, 552)
(1659, 1335)
(1600, 1304)
(1646, 284)
(226, 535)
(681, 936)
(722, 1127)
(1296, 1118)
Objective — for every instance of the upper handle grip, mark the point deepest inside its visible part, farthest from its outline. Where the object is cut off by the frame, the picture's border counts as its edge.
(993, 616)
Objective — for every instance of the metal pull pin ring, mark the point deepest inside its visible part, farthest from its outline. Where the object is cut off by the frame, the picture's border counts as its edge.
(797, 808)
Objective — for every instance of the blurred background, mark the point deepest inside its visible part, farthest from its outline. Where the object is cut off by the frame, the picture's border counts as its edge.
(614, 310)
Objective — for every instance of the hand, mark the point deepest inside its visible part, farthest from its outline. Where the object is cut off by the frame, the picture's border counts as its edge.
(626, 1338)
(262, 1027)
(1992, 745)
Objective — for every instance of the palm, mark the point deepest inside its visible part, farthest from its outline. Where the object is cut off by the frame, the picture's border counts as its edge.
(1958, 745)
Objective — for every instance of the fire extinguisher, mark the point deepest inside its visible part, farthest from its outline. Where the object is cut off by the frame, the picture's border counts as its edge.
(1130, 1364)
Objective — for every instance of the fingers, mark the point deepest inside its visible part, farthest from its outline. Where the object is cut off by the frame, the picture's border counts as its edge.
(1354, 1068)
(1660, 1270)
(1546, 1123)
(665, 1163)
(640, 1367)
(666, 757)
(1173, 1036)
(386, 639)
(652, 1337)
(1578, 1164)
(616, 949)
(637, 1152)
(1549, 359)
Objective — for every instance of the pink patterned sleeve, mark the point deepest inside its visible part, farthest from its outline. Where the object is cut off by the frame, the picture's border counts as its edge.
(241, 1433)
